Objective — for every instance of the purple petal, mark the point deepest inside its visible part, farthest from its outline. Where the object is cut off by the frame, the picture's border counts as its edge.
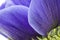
(22, 2)
(2, 6)
(58, 4)
(9, 3)
(14, 23)
(43, 15)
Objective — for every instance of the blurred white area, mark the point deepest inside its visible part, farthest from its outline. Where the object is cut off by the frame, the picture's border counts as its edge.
(3, 37)
(2, 1)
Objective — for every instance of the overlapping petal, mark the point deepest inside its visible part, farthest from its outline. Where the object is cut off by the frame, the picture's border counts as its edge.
(14, 23)
(9, 3)
(22, 2)
(43, 15)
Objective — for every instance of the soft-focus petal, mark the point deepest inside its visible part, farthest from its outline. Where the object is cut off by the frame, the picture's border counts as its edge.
(22, 2)
(14, 23)
(9, 3)
(43, 15)
(2, 6)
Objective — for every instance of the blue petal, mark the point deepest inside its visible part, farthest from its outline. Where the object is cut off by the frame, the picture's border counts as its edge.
(9, 3)
(2, 6)
(22, 2)
(58, 4)
(43, 15)
(14, 23)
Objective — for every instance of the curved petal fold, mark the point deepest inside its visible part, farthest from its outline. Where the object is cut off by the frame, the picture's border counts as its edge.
(14, 23)
(43, 15)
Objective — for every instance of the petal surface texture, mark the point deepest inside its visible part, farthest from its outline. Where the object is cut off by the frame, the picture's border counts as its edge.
(43, 15)
(14, 23)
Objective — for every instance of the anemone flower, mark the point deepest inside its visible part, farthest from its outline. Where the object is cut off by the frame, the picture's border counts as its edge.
(43, 15)
(14, 23)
